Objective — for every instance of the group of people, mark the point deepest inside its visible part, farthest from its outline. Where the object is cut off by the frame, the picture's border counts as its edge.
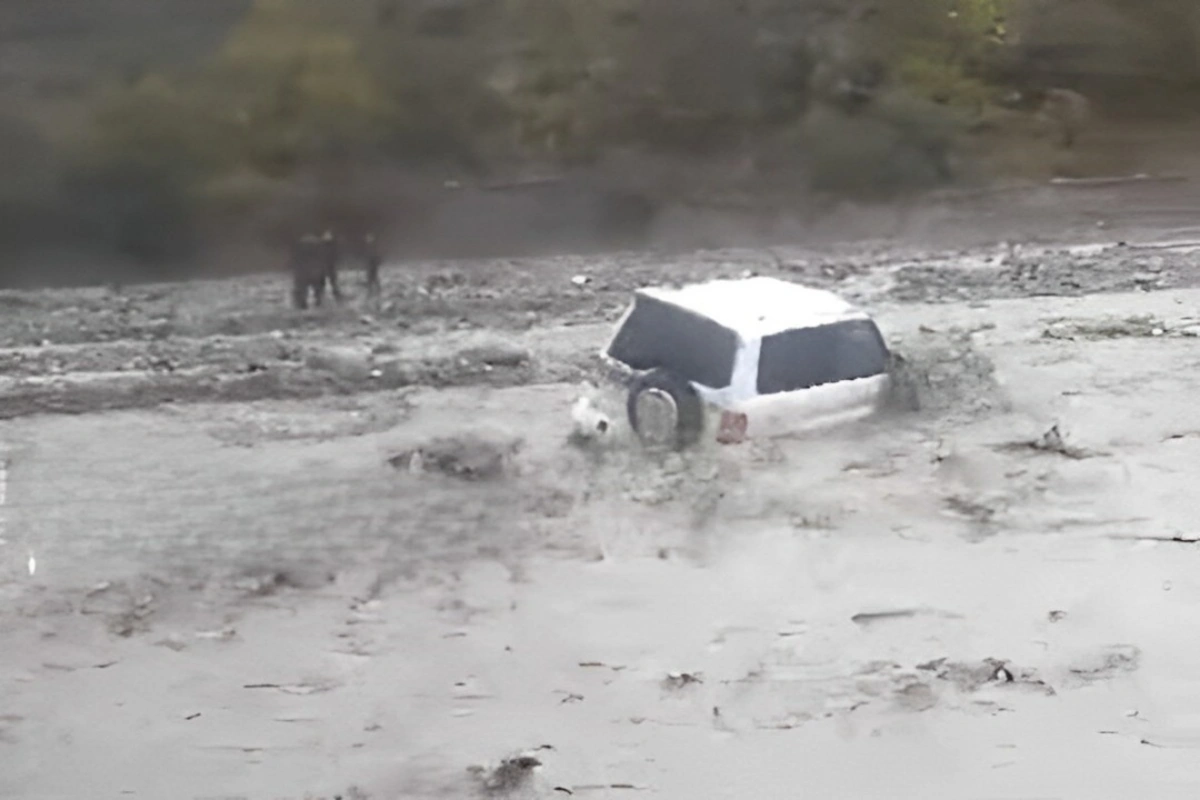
(314, 263)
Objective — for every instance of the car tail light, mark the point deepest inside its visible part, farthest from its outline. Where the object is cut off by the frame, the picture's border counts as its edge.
(733, 427)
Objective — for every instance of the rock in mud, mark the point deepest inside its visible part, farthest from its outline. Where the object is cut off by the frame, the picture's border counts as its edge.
(396, 372)
(506, 777)
(469, 457)
(344, 362)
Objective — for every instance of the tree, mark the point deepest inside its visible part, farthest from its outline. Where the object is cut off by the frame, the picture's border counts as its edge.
(130, 177)
(672, 74)
(551, 74)
(437, 64)
(942, 49)
(298, 86)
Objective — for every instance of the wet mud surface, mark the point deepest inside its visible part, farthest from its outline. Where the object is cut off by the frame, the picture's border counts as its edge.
(352, 553)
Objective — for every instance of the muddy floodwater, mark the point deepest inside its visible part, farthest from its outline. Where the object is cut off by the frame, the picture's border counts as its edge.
(250, 552)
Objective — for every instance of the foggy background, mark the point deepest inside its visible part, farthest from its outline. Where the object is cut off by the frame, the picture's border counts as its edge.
(143, 141)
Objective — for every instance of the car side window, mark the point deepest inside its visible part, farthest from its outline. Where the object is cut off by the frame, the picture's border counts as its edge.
(659, 334)
(806, 357)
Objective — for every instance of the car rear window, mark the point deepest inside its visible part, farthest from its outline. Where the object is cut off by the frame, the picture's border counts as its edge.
(658, 334)
(807, 357)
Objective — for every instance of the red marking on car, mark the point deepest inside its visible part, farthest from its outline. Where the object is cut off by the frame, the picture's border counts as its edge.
(733, 427)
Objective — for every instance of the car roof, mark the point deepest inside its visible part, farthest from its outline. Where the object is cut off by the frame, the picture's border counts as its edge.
(758, 306)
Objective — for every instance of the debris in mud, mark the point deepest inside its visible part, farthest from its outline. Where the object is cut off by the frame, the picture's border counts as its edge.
(1052, 441)
(811, 522)
(99, 588)
(1179, 538)
(977, 511)
(495, 355)
(590, 425)
(126, 608)
(868, 618)
(267, 582)
(680, 680)
(129, 623)
(294, 688)
(468, 457)
(69, 668)
(507, 776)
(1107, 664)
(971, 676)
(226, 634)
(1112, 328)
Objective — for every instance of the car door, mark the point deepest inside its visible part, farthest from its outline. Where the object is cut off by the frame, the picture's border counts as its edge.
(817, 376)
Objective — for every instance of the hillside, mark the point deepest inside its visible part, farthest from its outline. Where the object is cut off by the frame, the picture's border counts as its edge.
(192, 137)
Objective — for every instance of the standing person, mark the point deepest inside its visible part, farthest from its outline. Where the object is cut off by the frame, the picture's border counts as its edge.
(305, 263)
(313, 264)
(331, 253)
(372, 260)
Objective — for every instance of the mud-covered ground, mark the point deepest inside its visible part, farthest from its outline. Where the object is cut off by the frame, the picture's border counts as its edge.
(510, 322)
(351, 553)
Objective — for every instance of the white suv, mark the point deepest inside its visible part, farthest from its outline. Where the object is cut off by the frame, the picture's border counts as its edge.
(770, 356)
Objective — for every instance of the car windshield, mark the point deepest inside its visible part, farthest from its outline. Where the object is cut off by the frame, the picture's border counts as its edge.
(807, 357)
(662, 335)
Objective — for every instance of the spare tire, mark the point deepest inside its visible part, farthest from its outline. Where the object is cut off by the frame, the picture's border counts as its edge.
(673, 395)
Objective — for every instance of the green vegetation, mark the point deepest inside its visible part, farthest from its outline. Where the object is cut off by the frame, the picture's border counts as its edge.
(296, 87)
(287, 94)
